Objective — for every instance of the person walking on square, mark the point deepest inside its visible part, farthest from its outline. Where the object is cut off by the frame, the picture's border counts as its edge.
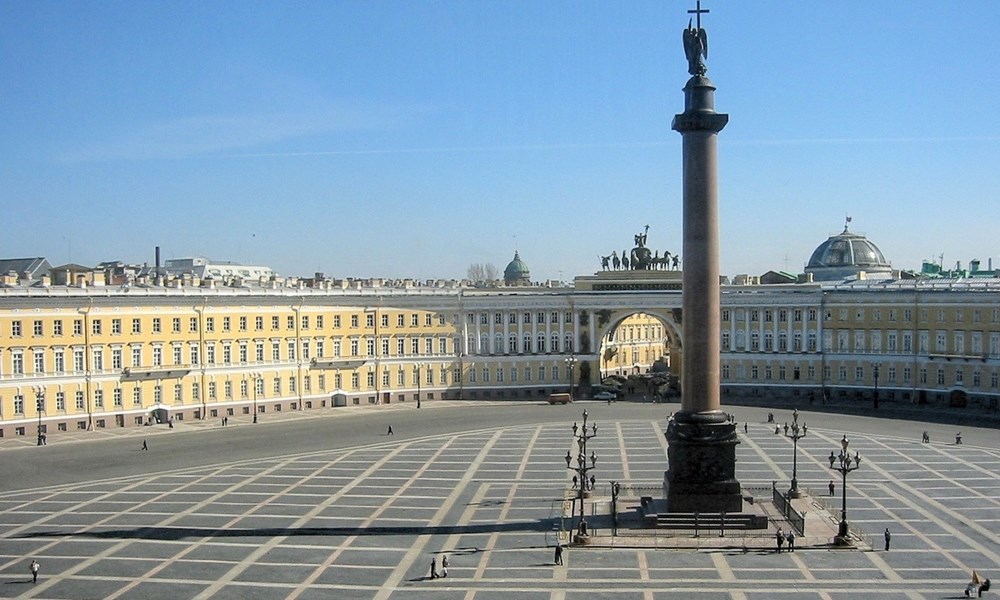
(444, 565)
(958, 437)
(144, 446)
(559, 551)
(745, 428)
(34, 570)
(833, 488)
(779, 538)
(888, 538)
(791, 541)
(434, 567)
(390, 431)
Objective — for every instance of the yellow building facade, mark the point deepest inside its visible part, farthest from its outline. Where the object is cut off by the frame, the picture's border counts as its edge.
(103, 357)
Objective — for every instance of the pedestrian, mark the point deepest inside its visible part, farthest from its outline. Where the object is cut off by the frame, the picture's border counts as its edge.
(559, 551)
(832, 487)
(444, 566)
(888, 537)
(779, 538)
(786, 427)
(958, 437)
(927, 438)
(434, 567)
(144, 446)
(791, 541)
(745, 428)
(390, 431)
(34, 570)
(776, 430)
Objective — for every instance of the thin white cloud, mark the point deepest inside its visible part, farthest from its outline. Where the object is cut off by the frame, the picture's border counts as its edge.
(203, 135)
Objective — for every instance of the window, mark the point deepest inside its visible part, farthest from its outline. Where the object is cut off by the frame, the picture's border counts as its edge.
(226, 324)
(157, 325)
(243, 352)
(258, 323)
(243, 323)
(57, 327)
(136, 356)
(193, 325)
(116, 326)
(98, 398)
(37, 328)
(414, 320)
(77, 327)
(210, 324)
(157, 356)
(61, 399)
(15, 329)
(175, 325)
(305, 321)
(116, 359)
(39, 362)
(78, 360)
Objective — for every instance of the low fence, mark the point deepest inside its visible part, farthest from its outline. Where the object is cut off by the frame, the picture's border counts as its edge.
(784, 505)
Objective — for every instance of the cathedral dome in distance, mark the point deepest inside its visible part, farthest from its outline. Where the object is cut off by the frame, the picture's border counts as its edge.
(516, 272)
(845, 255)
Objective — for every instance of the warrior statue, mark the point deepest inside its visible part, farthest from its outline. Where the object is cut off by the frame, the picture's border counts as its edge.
(696, 48)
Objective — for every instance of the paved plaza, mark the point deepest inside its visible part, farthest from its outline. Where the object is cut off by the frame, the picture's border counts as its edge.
(365, 520)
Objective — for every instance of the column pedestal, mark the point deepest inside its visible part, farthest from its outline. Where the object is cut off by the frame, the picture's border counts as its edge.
(702, 464)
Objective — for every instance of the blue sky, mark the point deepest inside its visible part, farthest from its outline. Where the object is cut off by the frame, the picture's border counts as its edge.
(412, 139)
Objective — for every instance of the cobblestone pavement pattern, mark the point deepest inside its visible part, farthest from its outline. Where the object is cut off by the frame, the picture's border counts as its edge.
(365, 522)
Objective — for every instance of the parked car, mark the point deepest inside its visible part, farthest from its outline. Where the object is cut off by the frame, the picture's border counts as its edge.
(604, 395)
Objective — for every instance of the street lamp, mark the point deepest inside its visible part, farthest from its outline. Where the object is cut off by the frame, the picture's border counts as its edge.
(257, 378)
(795, 436)
(875, 400)
(845, 464)
(40, 406)
(581, 469)
(418, 366)
(570, 365)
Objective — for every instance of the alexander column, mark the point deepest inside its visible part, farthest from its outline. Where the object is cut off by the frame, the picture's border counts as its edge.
(701, 474)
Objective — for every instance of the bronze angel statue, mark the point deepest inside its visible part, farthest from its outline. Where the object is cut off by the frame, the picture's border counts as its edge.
(695, 49)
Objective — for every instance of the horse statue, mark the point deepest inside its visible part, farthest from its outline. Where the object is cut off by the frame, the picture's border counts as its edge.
(624, 261)
(615, 261)
(605, 261)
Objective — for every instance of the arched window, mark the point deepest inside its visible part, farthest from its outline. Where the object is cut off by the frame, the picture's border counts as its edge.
(540, 343)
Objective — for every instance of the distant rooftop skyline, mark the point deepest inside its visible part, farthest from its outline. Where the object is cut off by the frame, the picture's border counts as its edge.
(365, 139)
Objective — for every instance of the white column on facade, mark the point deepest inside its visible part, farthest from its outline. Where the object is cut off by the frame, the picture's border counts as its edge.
(576, 332)
(505, 317)
(492, 328)
(592, 320)
(479, 334)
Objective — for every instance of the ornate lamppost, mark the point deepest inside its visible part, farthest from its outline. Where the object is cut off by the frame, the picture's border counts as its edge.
(418, 366)
(581, 469)
(845, 463)
(570, 367)
(256, 378)
(797, 434)
(40, 407)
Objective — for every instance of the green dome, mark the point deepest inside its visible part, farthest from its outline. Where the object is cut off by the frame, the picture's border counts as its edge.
(516, 272)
